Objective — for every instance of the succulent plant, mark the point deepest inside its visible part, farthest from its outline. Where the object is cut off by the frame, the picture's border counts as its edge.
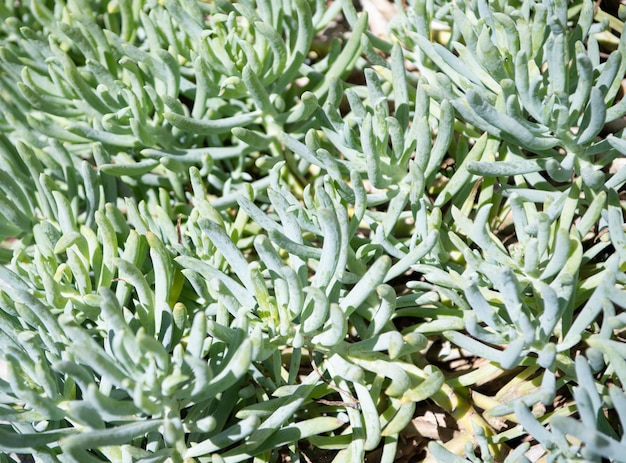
(222, 243)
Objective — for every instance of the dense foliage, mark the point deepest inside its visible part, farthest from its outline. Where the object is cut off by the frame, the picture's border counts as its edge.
(225, 238)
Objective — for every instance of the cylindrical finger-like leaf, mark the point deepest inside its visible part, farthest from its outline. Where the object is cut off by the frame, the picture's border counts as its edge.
(400, 381)
(594, 119)
(225, 438)
(585, 81)
(430, 385)
(445, 131)
(334, 330)
(509, 128)
(228, 249)
(130, 169)
(340, 367)
(372, 278)
(316, 311)
(257, 91)
(210, 126)
(331, 249)
(236, 365)
(11, 441)
(385, 310)
(401, 414)
(471, 344)
(371, 421)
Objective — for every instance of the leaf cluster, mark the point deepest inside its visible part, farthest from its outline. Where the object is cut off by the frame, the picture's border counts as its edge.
(217, 244)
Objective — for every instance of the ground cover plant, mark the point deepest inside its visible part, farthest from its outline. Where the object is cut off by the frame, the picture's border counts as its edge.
(231, 233)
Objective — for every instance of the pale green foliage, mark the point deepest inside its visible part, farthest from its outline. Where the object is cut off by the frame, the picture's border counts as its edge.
(216, 248)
